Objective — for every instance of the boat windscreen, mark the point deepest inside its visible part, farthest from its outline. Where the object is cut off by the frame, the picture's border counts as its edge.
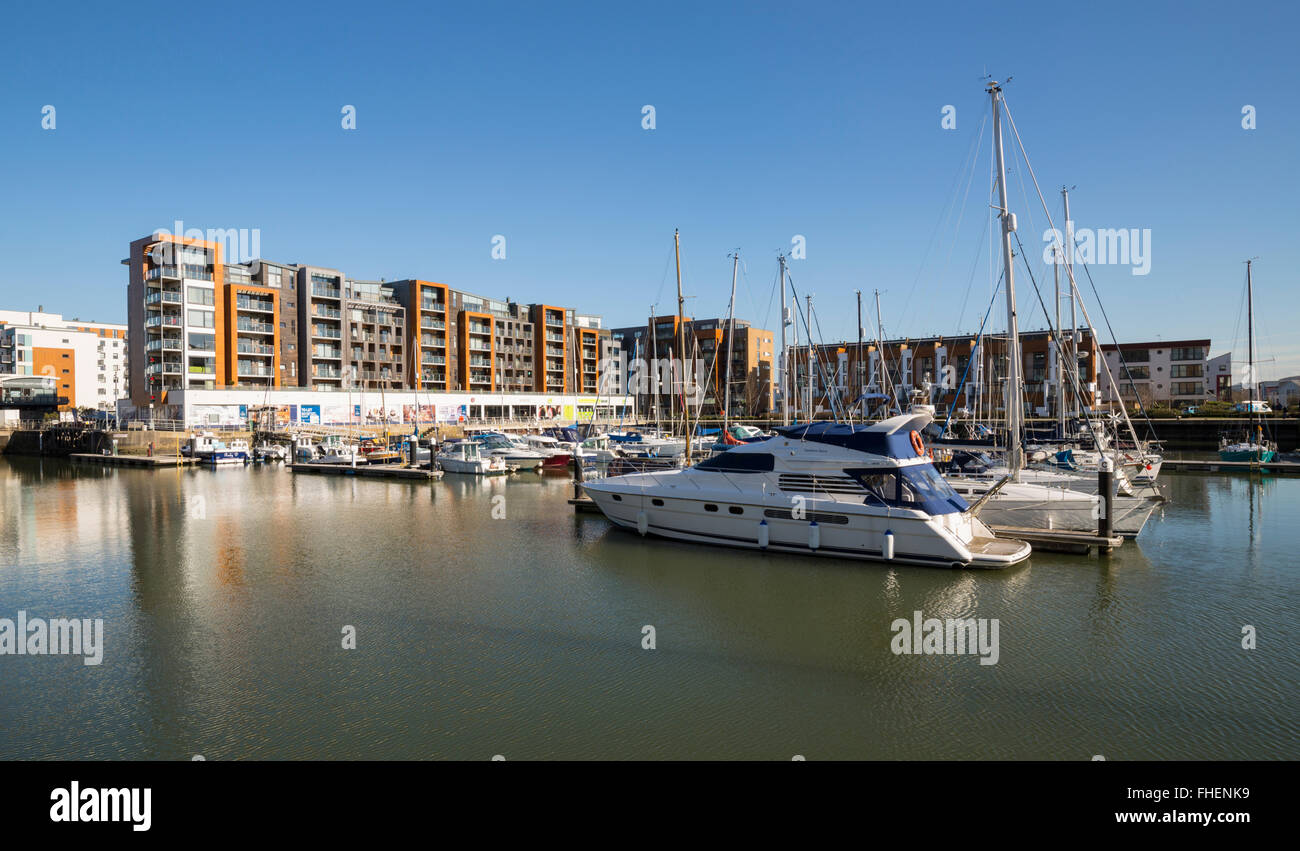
(917, 486)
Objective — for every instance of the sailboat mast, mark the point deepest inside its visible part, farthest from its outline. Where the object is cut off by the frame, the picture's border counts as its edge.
(654, 363)
(858, 366)
(1060, 354)
(785, 371)
(1014, 405)
(681, 341)
(812, 355)
(1250, 348)
(1074, 295)
(880, 351)
(731, 331)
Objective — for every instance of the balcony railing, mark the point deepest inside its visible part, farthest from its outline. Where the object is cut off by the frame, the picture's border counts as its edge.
(327, 312)
(255, 327)
(164, 297)
(253, 349)
(168, 321)
(164, 344)
(328, 333)
(255, 304)
(168, 272)
(254, 370)
(318, 291)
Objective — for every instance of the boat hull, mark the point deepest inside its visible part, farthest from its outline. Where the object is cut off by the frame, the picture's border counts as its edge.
(1258, 455)
(838, 534)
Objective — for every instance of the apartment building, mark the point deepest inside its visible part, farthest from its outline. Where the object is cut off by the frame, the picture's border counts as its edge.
(957, 369)
(207, 324)
(1173, 374)
(87, 360)
(551, 331)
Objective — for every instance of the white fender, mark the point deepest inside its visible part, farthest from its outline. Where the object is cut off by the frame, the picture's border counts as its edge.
(814, 535)
(887, 545)
(762, 534)
(642, 522)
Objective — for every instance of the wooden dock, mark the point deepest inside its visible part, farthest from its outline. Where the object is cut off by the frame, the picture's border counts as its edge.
(148, 462)
(1060, 540)
(1273, 468)
(584, 505)
(370, 471)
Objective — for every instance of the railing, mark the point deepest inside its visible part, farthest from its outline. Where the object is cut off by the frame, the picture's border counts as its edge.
(255, 327)
(254, 304)
(243, 369)
(251, 349)
(164, 297)
(163, 345)
(169, 321)
(327, 312)
(164, 271)
(327, 333)
(324, 292)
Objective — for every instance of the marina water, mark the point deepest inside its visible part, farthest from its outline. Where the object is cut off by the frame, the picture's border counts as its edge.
(490, 620)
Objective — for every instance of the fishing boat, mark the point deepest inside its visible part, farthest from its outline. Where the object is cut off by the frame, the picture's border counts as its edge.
(1251, 446)
(830, 489)
(467, 457)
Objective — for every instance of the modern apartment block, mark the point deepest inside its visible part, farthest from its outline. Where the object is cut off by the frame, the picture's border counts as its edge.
(1175, 374)
(956, 369)
(551, 350)
(207, 324)
(87, 360)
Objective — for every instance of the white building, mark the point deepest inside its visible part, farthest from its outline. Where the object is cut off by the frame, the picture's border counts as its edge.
(197, 407)
(1171, 374)
(88, 360)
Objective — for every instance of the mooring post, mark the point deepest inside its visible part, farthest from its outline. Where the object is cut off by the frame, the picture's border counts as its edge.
(577, 473)
(1106, 489)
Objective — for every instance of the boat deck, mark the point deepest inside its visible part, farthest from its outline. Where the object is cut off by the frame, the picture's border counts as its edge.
(1005, 546)
(1059, 540)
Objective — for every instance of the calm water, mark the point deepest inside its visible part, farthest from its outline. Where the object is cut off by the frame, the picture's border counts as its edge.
(224, 594)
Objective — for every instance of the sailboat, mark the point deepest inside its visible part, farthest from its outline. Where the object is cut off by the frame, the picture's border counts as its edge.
(1016, 501)
(1253, 447)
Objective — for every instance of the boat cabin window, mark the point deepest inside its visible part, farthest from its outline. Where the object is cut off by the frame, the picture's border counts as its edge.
(917, 486)
(708, 506)
(736, 509)
(657, 502)
(739, 462)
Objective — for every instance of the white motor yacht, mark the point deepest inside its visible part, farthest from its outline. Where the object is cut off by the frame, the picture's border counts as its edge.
(468, 457)
(850, 491)
(495, 443)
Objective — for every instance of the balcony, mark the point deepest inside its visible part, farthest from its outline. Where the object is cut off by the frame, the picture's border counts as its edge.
(436, 360)
(326, 312)
(433, 307)
(326, 372)
(163, 344)
(165, 297)
(164, 368)
(254, 349)
(319, 291)
(163, 321)
(255, 304)
(328, 354)
(253, 370)
(477, 346)
(254, 327)
(163, 273)
(436, 324)
(325, 332)
(480, 329)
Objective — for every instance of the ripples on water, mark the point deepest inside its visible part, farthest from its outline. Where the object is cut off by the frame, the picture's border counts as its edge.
(224, 594)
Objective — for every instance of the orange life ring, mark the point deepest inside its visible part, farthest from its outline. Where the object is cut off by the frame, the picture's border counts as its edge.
(916, 442)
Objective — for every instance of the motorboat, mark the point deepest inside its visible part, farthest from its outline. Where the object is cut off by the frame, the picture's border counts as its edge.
(266, 451)
(832, 489)
(522, 457)
(557, 455)
(335, 449)
(207, 449)
(468, 457)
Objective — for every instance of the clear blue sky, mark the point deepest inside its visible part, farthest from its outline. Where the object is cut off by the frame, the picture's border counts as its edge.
(524, 119)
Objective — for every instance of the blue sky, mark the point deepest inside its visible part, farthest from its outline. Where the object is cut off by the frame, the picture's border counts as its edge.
(772, 120)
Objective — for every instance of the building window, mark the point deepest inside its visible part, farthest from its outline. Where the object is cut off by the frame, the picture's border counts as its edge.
(1136, 355)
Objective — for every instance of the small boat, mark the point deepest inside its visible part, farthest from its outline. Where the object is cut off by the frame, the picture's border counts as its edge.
(333, 449)
(467, 457)
(207, 449)
(266, 452)
(558, 456)
(374, 451)
(495, 443)
(1252, 446)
